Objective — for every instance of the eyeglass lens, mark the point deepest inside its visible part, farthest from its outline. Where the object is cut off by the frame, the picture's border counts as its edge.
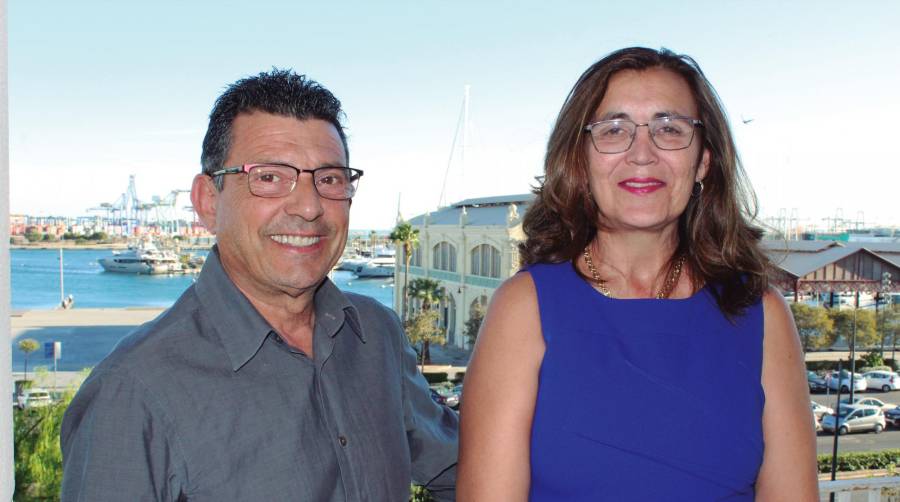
(667, 133)
(278, 181)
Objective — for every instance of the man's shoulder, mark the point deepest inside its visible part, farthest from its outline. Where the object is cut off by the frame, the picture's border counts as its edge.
(150, 344)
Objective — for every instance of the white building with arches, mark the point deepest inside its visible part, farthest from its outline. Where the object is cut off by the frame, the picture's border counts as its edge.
(469, 247)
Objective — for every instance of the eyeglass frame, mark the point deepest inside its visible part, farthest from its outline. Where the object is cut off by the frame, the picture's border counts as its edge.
(245, 168)
(694, 124)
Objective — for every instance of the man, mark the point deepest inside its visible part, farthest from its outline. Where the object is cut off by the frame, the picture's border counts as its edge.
(264, 381)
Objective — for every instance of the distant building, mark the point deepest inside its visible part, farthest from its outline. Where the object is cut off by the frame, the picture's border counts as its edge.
(469, 247)
(833, 268)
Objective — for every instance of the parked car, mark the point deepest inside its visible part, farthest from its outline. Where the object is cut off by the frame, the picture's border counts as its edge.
(445, 396)
(448, 395)
(892, 416)
(869, 401)
(855, 418)
(816, 383)
(33, 398)
(819, 410)
(859, 383)
(884, 380)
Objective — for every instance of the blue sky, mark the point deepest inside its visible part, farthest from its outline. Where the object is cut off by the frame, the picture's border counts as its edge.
(103, 89)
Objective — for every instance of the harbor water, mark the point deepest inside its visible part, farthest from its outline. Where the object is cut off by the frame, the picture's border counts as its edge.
(34, 276)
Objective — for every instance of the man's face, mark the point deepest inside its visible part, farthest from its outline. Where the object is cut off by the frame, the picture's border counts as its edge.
(286, 245)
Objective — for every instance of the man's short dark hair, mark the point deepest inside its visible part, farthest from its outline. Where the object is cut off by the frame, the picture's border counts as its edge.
(279, 92)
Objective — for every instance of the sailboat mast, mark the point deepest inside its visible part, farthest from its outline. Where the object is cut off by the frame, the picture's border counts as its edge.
(461, 123)
(465, 139)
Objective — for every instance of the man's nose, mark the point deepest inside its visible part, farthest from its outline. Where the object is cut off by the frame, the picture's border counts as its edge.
(304, 200)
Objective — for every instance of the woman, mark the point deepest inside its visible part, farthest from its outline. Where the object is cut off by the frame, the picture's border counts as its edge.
(640, 354)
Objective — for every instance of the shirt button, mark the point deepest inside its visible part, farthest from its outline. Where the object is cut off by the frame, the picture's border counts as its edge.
(342, 440)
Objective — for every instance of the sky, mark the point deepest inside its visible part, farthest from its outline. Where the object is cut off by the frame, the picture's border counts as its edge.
(100, 90)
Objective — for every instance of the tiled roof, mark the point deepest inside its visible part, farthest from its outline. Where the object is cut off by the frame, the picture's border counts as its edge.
(802, 257)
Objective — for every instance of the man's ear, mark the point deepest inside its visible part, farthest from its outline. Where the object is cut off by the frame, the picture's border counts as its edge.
(204, 195)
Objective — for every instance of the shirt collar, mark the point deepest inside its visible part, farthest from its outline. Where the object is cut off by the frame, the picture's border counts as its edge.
(241, 327)
(333, 309)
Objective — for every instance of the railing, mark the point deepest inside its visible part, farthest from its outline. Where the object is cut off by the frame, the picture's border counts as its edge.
(885, 489)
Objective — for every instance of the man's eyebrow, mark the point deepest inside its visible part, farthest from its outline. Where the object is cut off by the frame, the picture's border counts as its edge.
(339, 163)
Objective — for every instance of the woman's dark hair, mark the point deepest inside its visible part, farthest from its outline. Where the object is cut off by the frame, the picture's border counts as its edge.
(715, 233)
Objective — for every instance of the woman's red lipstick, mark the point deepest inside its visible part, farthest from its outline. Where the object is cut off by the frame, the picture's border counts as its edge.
(642, 185)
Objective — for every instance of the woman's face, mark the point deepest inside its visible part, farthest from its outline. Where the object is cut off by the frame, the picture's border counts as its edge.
(645, 187)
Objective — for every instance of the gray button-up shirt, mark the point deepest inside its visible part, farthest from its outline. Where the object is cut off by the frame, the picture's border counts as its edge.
(207, 403)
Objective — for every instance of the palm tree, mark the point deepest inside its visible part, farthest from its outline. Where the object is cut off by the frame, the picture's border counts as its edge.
(431, 293)
(27, 346)
(407, 237)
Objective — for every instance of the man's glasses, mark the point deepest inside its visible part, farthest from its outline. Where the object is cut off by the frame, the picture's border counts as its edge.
(278, 180)
(667, 133)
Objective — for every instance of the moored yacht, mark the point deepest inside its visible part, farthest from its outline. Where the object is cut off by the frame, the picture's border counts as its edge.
(144, 258)
(382, 266)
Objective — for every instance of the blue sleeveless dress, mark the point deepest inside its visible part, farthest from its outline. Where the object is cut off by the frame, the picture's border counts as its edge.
(644, 399)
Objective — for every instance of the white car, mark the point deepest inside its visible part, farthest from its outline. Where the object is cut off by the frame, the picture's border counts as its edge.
(884, 380)
(854, 419)
(859, 383)
(819, 410)
(33, 398)
(869, 401)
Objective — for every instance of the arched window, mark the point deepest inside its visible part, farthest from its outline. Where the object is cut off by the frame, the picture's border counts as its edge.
(443, 256)
(485, 261)
(416, 254)
(448, 318)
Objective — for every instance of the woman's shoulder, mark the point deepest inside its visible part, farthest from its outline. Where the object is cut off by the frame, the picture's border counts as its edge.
(517, 289)
(775, 306)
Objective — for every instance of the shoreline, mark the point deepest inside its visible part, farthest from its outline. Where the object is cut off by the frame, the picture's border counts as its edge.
(94, 246)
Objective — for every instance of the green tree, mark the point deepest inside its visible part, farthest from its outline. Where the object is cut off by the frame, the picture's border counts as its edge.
(815, 327)
(423, 328)
(889, 324)
(473, 325)
(419, 494)
(27, 346)
(33, 236)
(430, 293)
(873, 358)
(407, 237)
(866, 336)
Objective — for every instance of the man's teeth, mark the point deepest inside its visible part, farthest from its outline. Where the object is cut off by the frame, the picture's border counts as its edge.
(295, 240)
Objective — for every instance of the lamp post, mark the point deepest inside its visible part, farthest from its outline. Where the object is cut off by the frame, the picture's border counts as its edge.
(886, 285)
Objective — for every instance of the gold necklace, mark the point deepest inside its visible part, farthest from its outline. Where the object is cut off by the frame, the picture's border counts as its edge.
(663, 292)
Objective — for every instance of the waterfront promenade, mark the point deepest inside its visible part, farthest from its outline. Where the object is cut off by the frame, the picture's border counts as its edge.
(88, 334)
(84, 332)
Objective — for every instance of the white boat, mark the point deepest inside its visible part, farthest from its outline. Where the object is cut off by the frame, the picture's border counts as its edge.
(352, 263)
(145, 258)
(383, 266)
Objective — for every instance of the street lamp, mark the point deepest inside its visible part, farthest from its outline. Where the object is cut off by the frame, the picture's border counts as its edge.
(886, 285)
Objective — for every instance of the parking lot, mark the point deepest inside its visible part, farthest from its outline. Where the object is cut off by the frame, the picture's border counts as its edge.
(863, 441)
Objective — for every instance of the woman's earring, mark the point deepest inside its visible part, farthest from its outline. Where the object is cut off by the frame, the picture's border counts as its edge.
(698, 189)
